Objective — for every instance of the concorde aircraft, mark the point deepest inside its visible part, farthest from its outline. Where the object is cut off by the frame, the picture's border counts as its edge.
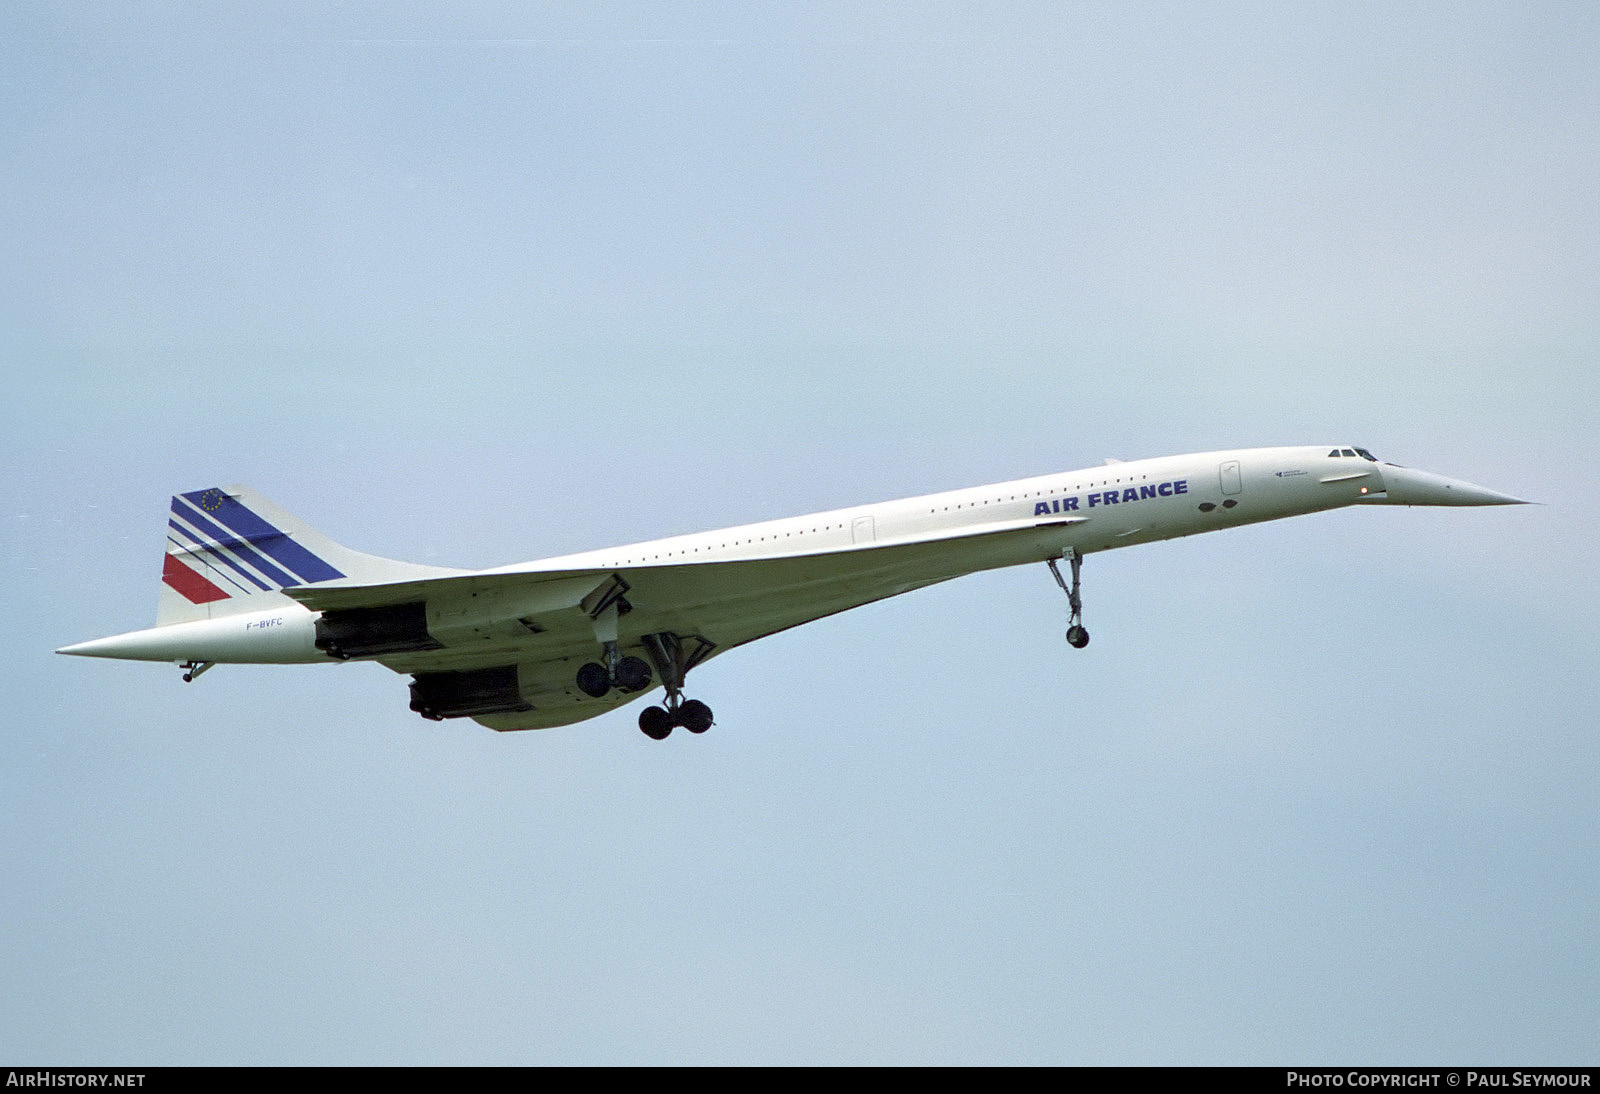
(550, 643)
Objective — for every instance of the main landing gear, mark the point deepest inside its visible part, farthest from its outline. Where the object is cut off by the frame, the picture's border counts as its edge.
(691, 714)
(1077, 636)
(672, 658)
(626, 674)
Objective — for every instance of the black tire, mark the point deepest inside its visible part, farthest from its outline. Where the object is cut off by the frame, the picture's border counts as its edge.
(633, 674)
(1077, 637)
(694, 716)
(593, 680)
(655, 723)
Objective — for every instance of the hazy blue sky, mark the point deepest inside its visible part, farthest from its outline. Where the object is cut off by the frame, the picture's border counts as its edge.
(488, 286)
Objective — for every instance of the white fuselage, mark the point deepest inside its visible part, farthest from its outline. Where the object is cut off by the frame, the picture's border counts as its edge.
(1115, 505)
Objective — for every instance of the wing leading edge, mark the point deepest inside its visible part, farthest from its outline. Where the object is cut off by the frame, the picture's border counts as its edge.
(505, 647)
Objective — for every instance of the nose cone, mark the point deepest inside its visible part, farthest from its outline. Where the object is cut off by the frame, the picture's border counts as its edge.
(1408, 486)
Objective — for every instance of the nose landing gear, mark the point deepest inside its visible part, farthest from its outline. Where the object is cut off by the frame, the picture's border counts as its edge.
(1077, 635)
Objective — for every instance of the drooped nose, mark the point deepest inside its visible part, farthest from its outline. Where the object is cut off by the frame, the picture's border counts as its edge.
(1408, 486)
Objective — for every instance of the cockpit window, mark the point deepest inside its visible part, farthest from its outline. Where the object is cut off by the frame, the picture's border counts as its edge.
(1364, 454)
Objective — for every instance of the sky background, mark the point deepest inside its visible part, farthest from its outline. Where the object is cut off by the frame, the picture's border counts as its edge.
(493, 285)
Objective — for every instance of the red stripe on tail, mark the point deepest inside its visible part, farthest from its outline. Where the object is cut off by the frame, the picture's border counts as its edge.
(196, 588)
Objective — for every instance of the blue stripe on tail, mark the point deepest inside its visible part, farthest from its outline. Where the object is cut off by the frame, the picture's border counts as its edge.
(214, 554)
(234, 544)
(263, 536)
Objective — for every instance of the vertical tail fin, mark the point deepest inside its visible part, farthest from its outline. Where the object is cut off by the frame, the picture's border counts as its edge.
(231, 550)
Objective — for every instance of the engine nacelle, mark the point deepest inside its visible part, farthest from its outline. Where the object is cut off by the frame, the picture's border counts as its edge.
(371, 632)
(439, 695)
